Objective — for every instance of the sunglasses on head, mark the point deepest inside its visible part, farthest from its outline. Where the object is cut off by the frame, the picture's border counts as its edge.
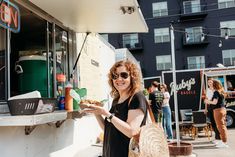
(123, 75)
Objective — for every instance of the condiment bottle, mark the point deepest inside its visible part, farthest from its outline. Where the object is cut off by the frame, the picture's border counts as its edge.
(68, 98)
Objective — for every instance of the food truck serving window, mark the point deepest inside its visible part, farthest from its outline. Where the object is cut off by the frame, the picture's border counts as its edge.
(230, 82)
(226, 77)
(2, 63)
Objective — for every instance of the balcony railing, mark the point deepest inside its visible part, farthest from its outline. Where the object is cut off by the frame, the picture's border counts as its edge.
(133, 44)
(193, 12)
(195, 39)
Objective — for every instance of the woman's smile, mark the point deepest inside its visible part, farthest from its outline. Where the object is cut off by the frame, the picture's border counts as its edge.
(121, 80)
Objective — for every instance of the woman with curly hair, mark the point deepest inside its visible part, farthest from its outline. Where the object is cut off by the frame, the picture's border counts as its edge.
(219, 112)
(209, 109)
(128, 111)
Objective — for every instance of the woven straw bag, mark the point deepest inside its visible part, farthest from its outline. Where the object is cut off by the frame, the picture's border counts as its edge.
(150, 142)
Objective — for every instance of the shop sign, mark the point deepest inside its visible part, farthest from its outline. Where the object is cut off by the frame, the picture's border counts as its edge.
(188, 88)
(9, 16)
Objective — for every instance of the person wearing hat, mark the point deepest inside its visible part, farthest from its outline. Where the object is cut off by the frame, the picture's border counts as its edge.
(128, 112)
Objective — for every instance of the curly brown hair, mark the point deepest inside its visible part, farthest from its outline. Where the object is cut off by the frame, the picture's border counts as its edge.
(135, 83)
(218, 87)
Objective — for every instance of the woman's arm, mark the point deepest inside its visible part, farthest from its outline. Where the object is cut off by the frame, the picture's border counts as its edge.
(100, 120)
(129, 128)
(212, 102)
(132, 126)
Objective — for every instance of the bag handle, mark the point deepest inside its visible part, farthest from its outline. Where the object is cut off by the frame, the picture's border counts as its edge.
(150, 112)
(148, 109)
(137, 136)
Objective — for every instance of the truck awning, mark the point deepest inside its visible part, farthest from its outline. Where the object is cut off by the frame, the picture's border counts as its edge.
(99, 16)
(220, 72)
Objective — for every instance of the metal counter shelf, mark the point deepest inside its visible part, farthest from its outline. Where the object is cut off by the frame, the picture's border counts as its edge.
(31, 121)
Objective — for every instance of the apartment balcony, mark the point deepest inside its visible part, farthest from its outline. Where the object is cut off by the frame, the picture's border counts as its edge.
(137, 45)
(197, 12)
(196, 40)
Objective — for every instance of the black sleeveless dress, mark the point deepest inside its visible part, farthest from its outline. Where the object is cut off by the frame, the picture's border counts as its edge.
(116, 143)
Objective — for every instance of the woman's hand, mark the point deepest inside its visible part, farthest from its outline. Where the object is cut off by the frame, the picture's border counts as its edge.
(206, 101)
(97, 110)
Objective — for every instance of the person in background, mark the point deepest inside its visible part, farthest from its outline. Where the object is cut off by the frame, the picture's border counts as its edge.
(229, 85)
(156, 99)
(128, 112)
(166, 110)
(151, 89)
(219, 112)
(209, 109)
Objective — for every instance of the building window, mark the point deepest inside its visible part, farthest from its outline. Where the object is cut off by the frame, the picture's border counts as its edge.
(226, 4)
(160, 9)
(161, 35)
(130, 40)
(196, 62)
(192, 6)
(193, 34)
(227, 28)
(228, 57)
(163, 62)
(105, 36)
(2, 63)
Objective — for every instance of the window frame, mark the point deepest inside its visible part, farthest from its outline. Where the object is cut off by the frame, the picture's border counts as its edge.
(230, 25)
(197, 65)
(163, 34)
(230, 52)
(161, 59)
(222, 4)
(192, 8)
(4, 36)
(159, 9)
(132, 42)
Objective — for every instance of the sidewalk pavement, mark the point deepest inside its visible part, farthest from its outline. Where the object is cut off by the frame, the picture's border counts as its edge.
(202, 147)
(92, 151)
(205, 148)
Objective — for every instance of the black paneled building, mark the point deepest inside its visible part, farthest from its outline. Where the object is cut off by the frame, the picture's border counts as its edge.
(204, 35)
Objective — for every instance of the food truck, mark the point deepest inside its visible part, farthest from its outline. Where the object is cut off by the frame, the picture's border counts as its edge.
(43, 46)
(192, 84)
